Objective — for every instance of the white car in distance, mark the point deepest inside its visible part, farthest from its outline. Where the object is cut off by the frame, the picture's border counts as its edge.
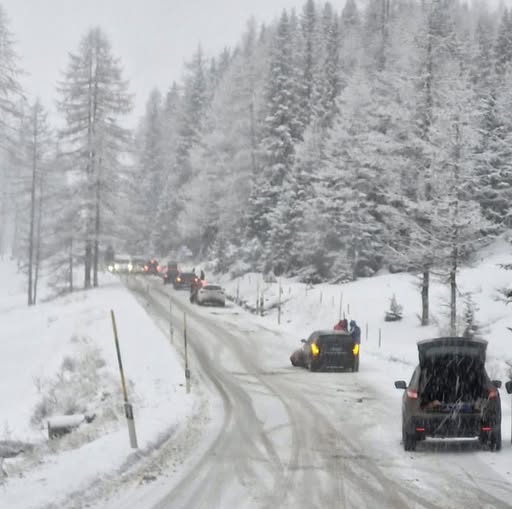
(211, 294)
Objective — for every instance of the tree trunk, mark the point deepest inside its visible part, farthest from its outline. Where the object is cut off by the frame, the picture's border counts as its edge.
(38, 236)
(32, 213)
(453, 294)
(97, 227)
(87, 264)
(424, 297)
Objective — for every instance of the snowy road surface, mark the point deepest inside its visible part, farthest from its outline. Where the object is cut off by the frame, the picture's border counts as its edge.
(288, 438)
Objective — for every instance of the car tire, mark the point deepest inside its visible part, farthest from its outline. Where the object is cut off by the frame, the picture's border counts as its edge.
(495, 440)
(409, 441)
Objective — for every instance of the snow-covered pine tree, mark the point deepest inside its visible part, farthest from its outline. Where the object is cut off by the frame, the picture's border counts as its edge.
(150, 174)
(10, 94)
(282, 129)
(38, 143)
(93, 98)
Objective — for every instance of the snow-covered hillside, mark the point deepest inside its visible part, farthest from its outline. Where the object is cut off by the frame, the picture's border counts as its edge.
(305, 309)
(59, 358)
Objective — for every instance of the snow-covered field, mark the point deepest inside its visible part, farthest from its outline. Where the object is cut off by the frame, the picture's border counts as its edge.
(59, 358)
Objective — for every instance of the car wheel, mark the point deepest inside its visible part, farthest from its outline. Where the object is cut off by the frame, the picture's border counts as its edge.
(409, 441)
(495, 440)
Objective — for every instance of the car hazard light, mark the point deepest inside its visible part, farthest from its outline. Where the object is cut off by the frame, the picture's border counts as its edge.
(412, 394)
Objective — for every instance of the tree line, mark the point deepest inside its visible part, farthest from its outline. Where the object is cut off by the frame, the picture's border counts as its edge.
(325, 145)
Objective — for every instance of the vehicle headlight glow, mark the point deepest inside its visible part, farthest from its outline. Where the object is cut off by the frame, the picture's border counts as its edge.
(110, 268)
(355, 350)
(130, 267)
(116, 266)
(315, 351)
(178, 279)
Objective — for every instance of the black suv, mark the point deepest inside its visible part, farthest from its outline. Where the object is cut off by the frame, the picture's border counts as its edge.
(170, 273)
(328, 350)
(184, 280)
(450, 394)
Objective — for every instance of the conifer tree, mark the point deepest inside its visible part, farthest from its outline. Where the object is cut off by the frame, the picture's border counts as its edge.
(93, 98)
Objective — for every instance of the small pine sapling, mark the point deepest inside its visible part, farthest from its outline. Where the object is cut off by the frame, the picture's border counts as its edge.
(394, 314)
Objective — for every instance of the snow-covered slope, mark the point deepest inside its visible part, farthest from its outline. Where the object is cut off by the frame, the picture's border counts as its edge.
(305, 309)
(59, 357)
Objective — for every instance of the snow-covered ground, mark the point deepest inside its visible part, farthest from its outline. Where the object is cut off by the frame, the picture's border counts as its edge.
(43, 349)
(305, 309)
(59, 358)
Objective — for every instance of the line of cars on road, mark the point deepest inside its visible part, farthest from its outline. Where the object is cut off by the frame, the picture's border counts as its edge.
(133, 265)
(201, 292)
(450, 394)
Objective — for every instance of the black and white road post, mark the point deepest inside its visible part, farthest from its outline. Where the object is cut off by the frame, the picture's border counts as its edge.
(187, 370)
(128, 409)
(171, 328)
(341, 305)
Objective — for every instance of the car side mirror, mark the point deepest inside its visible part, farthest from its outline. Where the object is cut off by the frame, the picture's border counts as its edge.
(303, 341)
(400, 384)
(496, 383)
(508, 386)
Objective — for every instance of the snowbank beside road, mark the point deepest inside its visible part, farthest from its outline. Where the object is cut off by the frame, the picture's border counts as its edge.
(59, 357)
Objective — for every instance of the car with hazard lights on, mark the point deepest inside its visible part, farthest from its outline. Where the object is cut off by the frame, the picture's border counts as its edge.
(328, 350)
(450, 394)
(170, 272)
(152, 267)
(184, 280)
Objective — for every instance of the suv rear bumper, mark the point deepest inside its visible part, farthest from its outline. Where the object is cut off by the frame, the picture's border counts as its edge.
(446, 425)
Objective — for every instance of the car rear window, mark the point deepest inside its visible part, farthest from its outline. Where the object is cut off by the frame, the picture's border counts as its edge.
(333, 338)
(212, 287)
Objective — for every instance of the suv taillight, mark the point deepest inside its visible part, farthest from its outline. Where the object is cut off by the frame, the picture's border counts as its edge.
(493, 393)
(412, 394)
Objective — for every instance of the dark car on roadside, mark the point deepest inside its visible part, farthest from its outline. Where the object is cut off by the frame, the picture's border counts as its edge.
(450, 394)
(152, 267)
(327, 350)
(170, 272)
(184, 280)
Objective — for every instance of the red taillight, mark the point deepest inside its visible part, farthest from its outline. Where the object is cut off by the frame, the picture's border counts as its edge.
(421, 430)
(493, 394)
(412, 394)
(486, 428)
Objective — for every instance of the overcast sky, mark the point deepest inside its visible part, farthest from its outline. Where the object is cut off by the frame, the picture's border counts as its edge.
(152, 37)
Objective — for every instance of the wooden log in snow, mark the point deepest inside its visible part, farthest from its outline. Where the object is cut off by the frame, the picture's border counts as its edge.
(63, 424)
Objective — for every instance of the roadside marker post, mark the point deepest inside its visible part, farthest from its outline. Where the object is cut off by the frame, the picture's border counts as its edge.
(380, 337)
(171, 328)
(341, 304)
(257, 297)
(366, 331)
(128, 409)
(185, 342)
(237, 291)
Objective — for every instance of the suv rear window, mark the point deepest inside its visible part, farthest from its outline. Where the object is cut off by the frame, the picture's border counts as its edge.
(212, 287)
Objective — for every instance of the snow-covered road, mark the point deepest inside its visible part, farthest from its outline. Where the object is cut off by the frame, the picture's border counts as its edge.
(284, 437)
